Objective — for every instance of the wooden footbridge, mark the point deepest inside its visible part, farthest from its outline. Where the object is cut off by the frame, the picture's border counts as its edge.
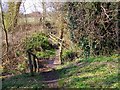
(37, 64)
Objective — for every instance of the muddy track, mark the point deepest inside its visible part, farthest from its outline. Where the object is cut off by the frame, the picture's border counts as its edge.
(50, 79)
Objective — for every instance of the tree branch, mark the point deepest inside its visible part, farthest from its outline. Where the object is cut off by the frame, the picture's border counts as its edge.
(105, 11)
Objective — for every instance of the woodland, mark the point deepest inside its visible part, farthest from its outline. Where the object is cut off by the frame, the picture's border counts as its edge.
(71, 45)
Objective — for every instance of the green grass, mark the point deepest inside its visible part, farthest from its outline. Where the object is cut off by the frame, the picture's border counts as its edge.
(98, 72)
(22, 81)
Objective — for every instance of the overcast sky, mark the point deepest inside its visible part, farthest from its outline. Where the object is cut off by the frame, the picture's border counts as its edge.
(31, 6)
(28, 6)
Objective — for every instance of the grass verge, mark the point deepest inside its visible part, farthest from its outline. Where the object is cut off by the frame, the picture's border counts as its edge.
(98, 72)
(22, 81)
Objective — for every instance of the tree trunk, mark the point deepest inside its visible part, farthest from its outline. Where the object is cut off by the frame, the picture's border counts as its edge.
(17, 13)
(4, 28)
(43, 16)
(60, 47)
(59, 53)
(0, 34)
(13, 7)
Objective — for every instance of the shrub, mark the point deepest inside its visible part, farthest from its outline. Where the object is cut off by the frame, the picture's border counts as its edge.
(68, 55)
(40, 45)
(45, 54)
(38, 42)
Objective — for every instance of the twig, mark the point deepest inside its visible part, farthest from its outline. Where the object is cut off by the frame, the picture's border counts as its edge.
(105, 11)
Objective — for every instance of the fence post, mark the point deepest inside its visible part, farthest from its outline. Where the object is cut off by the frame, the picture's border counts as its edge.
(35, 64)
(30, 64)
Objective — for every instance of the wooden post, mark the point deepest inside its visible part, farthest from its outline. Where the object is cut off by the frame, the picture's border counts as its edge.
(30, 64)
(35, 64)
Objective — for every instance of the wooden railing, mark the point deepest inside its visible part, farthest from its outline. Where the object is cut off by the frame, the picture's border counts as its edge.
(34, 62)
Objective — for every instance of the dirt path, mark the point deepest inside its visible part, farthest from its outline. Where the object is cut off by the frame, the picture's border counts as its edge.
(50, 78)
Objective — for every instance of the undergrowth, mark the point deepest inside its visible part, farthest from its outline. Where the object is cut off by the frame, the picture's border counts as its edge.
(99, 72)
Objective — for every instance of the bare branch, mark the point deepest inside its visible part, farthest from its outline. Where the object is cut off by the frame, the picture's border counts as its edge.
(105, 11)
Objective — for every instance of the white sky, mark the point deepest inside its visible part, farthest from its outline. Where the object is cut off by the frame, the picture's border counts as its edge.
(28, 6)
(31, 6)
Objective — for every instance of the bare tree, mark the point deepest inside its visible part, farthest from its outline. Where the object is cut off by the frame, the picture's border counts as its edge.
(0, 33)
(43, 15)
(4, 28)
(17, 12)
